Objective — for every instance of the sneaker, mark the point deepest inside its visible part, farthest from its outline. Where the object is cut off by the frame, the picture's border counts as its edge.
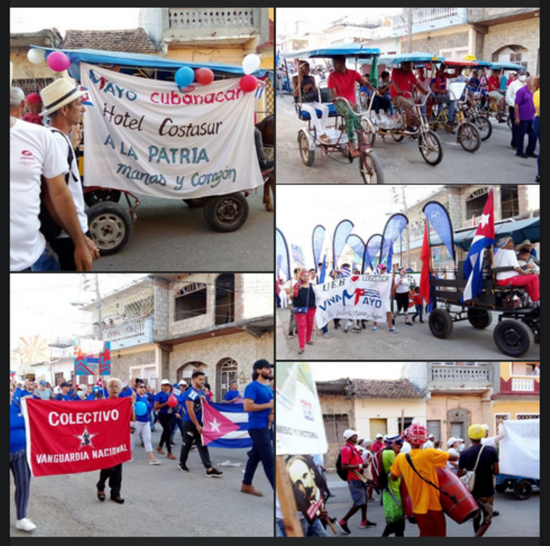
(346, 330)
(327, 336)
(375, 328)
(357, 330)
(214, 473)
(411, 130)
(183, 468)
(290, 336)
(343, 527)
(155, 461)
(366, 523)
(532, 155)
(25, 524)
(409, 323)
(394, 330)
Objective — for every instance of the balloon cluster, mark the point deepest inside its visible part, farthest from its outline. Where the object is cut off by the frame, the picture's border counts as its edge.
(249, 83)
(185, 76)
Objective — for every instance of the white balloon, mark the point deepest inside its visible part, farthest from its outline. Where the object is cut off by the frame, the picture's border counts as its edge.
(251, 63)
(36, 56)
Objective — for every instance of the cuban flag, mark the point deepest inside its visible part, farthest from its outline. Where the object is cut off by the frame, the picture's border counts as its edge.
(484, 238)
(225, 425)
(86, 100)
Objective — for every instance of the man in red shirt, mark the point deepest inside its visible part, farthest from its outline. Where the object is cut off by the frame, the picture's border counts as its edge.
(403, 82)
(341, 82)
(34, 101)
(442, 93)
(353, 463)
(494, 93)
(378, 444)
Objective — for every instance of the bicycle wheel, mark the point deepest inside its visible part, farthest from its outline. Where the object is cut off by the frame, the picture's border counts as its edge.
(431, 148)
(370, 168)
(484, 126)
(468, 137)
(369, 130)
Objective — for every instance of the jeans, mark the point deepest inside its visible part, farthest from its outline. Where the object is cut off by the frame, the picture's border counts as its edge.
(22, 479)
(262, 450)
(526, 128)
(313, 530)
(165, 421)
(418, 309)
(46, 262)
(536, 128)
(443, 98)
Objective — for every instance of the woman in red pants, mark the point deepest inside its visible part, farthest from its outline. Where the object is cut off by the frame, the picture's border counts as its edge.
(304, 309)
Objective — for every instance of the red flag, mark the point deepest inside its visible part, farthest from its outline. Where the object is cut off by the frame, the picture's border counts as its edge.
(74, 437)
(425, 256)
(216, 425)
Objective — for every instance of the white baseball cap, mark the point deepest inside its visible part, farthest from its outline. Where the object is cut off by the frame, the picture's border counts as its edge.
(486, 427)
(451, 441)
(379, 436)
(165, 382)
(349, 433)
(182, 382)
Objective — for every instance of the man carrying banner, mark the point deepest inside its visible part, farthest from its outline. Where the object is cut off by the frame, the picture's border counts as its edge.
(193, 426)
(258, 402)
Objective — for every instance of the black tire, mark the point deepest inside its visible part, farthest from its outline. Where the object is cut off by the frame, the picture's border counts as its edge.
(371, 169)
(370, 133)
(430, 148)
(501, 487)
(468, 136)
(398, 137)
(195, 203)
(480, 318)
(484, 126)
(523, 490)
(110, 227)
(226, 213)
(93, 197)
(513, 337)
(441, 324)
(307, 155)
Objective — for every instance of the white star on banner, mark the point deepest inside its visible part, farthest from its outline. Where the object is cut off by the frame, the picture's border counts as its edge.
(215, 426)
(484, 219)
(85, 438)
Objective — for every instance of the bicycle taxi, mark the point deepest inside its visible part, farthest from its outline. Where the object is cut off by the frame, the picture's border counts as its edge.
(429, 144)
(370, 167)
(110, 223)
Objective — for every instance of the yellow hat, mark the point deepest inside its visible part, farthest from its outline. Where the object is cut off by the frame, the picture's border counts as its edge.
(476, 432)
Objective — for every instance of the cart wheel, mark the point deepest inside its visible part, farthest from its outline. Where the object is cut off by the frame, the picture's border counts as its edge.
(307, 155)
(523, 490)
(101, 196)
(480, 318)
(513, 337)
(371, 169)
(431, 148)
(195, 203)
(468, 137)
(484, 126)
(110, 226)
(226, 212)
(398, 137)
(370, 133)
(501, 487)
(441, 323)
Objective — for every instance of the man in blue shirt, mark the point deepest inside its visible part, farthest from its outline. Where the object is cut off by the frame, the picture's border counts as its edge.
(233, 395)
(258, 402)
(64, 394)
(193, 425)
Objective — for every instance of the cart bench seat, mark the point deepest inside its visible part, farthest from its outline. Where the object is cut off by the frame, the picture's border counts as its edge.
(332, 113)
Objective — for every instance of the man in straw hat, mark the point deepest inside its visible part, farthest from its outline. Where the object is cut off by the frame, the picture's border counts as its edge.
(427, 508)
(63, 104)
(515, 276)
(484, 459)
(33, 155)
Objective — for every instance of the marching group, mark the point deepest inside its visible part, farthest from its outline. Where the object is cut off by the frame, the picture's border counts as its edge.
(175, 406)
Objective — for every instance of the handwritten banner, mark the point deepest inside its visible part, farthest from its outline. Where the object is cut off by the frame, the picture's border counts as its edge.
(147, 136)
(357, 297)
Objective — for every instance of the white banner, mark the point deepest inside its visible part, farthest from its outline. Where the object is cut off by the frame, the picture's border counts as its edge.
(357, 297)
(300, 427)
(147, 136)
(519, 450)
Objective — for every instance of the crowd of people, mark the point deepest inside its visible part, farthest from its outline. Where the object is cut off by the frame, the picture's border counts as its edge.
(174, 406)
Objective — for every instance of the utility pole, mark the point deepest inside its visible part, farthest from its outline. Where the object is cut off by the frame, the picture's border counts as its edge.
(409, 29)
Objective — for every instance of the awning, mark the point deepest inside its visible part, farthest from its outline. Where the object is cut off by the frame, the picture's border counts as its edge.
(349, 50)
(414, 57)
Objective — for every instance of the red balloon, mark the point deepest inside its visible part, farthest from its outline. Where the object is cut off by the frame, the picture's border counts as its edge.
(172, 401)
(248, 83)
(204, 76)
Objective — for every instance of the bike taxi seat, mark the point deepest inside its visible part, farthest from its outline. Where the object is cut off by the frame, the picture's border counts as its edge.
(304, 116)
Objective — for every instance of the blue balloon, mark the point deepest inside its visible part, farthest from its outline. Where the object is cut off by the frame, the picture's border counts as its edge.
(184, 76)
(140, 408)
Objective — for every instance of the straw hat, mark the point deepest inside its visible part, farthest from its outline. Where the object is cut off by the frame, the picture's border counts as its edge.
(58, 94)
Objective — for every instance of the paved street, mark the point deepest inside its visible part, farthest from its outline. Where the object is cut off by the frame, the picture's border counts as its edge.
(410, 343)
(517, 518)
(160, 501)
(493, 163)
(170, 236)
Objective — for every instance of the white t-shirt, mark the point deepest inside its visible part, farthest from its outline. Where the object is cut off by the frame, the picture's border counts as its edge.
(404, 286)
(505, 258)
(490, 441)
(512, 91)
(452, 451)
(75, 186)
(32, 153)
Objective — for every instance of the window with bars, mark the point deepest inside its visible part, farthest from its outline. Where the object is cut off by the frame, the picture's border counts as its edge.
(335, 425)
(525, 416)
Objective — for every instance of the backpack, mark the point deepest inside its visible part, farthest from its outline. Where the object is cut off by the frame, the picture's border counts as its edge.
(379, 477)
(343, 474)
(49, 228)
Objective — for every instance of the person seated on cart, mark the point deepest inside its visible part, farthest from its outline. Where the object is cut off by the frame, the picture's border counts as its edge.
(494, 94)
(383, 101)
(341, 82)
(403, 83)
(442, 93)
(426, 84)
(506, 258)
(306, 91)
(526, 261)
(265, 165)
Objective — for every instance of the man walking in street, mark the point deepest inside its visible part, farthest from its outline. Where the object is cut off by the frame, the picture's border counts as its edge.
(193, 426)
(483, 460)
(357, 484)
(258, 402)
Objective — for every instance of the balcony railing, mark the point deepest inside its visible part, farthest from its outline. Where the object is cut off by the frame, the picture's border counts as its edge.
(523, 385)
(127, 330)
(423, 16)
(462, 374)
(211, 18)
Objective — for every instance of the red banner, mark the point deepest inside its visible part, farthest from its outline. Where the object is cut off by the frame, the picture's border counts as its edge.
(75, 437)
